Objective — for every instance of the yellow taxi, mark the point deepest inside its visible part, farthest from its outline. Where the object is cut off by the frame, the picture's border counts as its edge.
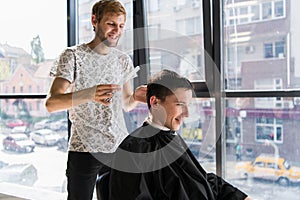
(270, 167)
(194, 134)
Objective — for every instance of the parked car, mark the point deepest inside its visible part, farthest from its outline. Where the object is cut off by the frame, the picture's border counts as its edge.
(59, 125)
(269, 167)
(45, 137)
(20, 129)
(43, 124)
(16, 122)
(20, 173)
(18, 142)
(62, 143)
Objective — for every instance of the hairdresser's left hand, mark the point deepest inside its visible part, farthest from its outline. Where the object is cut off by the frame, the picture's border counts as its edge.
(140, 94)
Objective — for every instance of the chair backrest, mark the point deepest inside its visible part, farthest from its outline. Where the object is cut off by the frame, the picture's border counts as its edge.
(102, 186)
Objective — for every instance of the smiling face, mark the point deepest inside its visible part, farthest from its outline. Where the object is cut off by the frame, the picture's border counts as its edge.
(109, 30)
(171, 112)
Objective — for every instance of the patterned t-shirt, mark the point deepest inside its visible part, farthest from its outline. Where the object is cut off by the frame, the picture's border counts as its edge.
(95, 127)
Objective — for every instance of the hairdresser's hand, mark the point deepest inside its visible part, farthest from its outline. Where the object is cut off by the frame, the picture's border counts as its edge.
(103, 93)
(140, 94)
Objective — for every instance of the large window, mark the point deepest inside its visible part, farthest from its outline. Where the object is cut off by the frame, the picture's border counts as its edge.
(246, 55)
(33, 34)
(180, 45)
(261, 84)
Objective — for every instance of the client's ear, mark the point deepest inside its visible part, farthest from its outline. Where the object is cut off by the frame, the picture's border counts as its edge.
(154, 102)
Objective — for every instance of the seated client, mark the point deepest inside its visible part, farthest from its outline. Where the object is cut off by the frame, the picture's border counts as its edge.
(154, 162)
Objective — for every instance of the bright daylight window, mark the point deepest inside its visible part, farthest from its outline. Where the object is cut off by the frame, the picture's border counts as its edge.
(260, 66)
(260, 71)
(32, 163)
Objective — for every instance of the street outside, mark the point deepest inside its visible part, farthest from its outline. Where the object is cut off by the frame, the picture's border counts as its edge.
(258, 189)
(264, 190)
(51, 164)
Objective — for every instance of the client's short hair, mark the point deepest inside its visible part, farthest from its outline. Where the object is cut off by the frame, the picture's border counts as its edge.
(164, 83)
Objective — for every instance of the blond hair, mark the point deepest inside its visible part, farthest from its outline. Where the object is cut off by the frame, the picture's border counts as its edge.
(103, 7)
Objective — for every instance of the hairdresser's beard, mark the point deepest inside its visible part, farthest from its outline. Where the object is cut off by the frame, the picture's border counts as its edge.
(109, 41)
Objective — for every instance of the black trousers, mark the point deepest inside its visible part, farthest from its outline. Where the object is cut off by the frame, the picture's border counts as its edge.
(82, 171)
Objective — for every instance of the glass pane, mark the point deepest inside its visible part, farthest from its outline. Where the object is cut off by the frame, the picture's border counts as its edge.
(262, 147)
(33, 150)
(176, 37)
(261, 47)
(279, 9)
(267, 10)
(198, 131)
(30, 40)
(33, 33)
(255, 12)
(244, 14)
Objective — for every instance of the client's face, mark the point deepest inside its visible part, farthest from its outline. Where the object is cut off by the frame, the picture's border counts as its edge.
(175, 107)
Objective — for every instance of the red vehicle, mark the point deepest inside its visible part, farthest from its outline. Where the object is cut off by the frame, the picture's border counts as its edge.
(16, 122)
(18, 142)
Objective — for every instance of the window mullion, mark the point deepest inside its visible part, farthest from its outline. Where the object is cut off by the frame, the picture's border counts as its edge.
(140, 52)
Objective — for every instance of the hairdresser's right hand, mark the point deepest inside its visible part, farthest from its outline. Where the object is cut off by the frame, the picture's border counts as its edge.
(103, 93)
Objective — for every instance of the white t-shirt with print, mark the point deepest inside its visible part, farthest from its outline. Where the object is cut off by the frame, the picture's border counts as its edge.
(95, 127)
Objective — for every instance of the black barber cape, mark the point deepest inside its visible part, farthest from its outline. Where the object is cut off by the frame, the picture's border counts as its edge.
(155, 164)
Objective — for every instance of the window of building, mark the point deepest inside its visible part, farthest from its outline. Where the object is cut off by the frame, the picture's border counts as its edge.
(270, 102)
(255, 10)
(267, 10)
(275, 47)
(154, 32)
(232, 16)
(38, 103)
(279, 49)
(241, 13)
(29, 88)
(198, 29)
(268, 49)
(268, 129)
(279, 8)
(190, 26)
(180, 26)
